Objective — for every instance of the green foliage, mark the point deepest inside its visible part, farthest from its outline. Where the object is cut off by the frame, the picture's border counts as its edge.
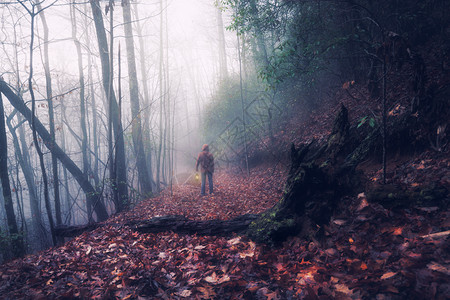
(7, 240)
(271, 229)
(226, 106)
(309, 40)
(371, 121)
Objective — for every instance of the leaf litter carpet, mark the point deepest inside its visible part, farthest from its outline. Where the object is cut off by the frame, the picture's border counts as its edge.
(368, 252)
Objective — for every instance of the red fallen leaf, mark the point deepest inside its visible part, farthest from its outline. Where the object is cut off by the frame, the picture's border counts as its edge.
(388, 275)
(303, 262)
(413, 255)
(363, 266)
(279, 267)
(252, 287)
(398, 231)
(271, 296)
(363, 203)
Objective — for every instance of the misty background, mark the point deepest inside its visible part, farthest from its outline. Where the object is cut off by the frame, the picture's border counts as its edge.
(176, 44)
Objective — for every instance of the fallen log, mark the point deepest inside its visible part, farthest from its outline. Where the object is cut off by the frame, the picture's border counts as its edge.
(178, 224)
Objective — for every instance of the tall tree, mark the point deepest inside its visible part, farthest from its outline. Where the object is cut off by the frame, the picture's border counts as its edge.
(17, 242)
(93, 105)
(161, 94)
(136, 126)
(84, 153)
(122, 188)
(33, 13)
(223, 68)
(23, 158)
(48, 83)
(146, 96)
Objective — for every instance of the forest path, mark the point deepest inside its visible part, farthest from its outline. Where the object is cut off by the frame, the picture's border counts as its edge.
(234, 194)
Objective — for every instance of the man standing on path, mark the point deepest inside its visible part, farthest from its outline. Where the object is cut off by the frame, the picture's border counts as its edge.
(206, 162)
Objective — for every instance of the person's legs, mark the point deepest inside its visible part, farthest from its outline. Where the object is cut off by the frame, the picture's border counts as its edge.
(210, 182)
(203, 182)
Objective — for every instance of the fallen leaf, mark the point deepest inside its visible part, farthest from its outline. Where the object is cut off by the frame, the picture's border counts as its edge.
(339, 222)
(212, 278)
(223, 279)
(331, 252)
(234, 241)
(342, 288)
(388, 275)
(184, 293)
(439, 268)
(398, 231)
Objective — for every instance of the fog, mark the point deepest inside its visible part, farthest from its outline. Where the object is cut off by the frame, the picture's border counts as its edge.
(176, 80)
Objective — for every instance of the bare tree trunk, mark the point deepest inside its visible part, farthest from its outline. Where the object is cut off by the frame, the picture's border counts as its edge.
(25, 164)
(48, 81)
(161, 97)
(66, 181)
(94, 125)
(95, 171)
(110, 93)
(33, 129)
(167, 118)
(16, 238)
(122, 187)
(242, 107)
(82, 107)
(23, 158)
(146, 99)
(223, 68)
(136, 127)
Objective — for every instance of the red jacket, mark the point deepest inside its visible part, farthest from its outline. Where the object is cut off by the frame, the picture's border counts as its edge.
(206, 162)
